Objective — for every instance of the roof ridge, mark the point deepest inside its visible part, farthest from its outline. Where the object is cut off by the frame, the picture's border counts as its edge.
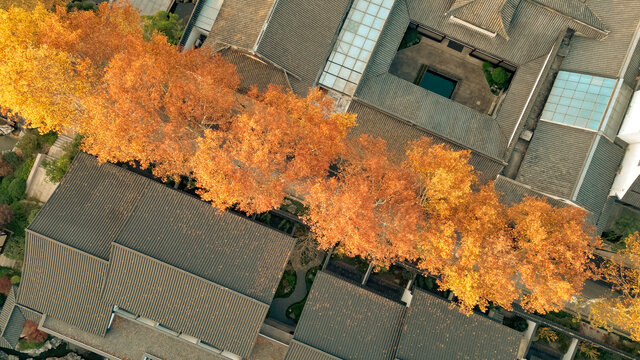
(136, 252)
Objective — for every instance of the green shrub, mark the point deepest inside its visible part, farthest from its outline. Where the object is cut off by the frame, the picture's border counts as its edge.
(15, 280)
(81, 6)
(29, 144)
(287, 284)
(517, 323)
(29, 345)
(32, 215)
(411, 37)
(497, 77)
(310, 276)
(8, 271)
(563, 318)
(16, 188)
(3, 298)
(15, 248)
(165, 23)
(24, 169)
(22, 211)
(295, 310)
(500, 76)
(11, 158)
(56, 169)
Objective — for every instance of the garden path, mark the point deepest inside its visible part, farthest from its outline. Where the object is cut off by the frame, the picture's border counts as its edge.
(279, 306)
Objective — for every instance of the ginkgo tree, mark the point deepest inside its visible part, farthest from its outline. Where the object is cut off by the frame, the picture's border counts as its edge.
(279, 140)
(137, 99)
(621, 308)
(432, 211)
(155, 102)
(371, 207)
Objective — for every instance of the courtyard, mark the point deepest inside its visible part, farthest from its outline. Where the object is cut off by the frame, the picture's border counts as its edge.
(445, 67)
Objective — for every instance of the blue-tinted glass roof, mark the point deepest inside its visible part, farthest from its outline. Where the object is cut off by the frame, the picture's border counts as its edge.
(578, 100)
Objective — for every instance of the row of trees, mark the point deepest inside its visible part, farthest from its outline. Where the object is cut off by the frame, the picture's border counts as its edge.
(135, 98)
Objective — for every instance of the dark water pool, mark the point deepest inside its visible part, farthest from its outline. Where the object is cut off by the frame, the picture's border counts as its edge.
(437, 83)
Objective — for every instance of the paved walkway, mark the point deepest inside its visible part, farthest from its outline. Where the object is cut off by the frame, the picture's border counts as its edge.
(279, 306)
(5, 261)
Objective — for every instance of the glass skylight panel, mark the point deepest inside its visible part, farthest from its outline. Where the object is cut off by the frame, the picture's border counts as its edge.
(579, 100)
(355, 43)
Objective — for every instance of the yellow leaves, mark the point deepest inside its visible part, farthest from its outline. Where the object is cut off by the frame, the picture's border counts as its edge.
(622, 308)
(371, 208)
(30, 4)
(280, 139)
(547, 335)
(444, 175)
(554, 246)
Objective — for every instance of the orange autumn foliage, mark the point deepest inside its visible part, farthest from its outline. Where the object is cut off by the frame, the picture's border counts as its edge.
(554, 247)
(155, 102)
(621, 308)
(53, 60)
(279, 140)
(46, 82)
(370, 207)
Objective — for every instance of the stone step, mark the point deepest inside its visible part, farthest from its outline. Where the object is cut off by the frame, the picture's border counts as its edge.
(59, 146)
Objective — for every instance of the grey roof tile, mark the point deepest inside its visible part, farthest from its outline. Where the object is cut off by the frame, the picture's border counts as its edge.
(72, 280)
(183, 302)
(512, 192)
(532, 32)
(11, 320)
(606, 58)
(491, 15)
(300, 351)
(555, 158)
(240, 23)
(599, 176)
(254, 71)
(189, 266)
(300, 35)
(90, 206)
(349, 322)
(575, 9)
(222, 247)
(397, 133)
(434, 113)
(435, 330)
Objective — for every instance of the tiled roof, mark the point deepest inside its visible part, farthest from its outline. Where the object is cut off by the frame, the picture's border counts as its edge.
(436, 114)
(348, 322)
(172, 258)
(577, 10)
(512, 192)
(151, 7)
(71, 279)
(299, 351)
(87, 211)
(606, 58)
(598, 178)
(300, 35)
(221, 247)
(182, 301)
(491, 15)
(254, 71)
(632, 196)
(11, 321)
(434, 330)
(397, 133)
(240, 22)
(555, 158)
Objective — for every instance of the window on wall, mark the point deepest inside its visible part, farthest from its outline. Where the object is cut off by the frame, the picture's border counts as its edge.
(579, 100)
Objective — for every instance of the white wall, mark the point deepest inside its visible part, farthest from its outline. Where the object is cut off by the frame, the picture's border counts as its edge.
(630, 133)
